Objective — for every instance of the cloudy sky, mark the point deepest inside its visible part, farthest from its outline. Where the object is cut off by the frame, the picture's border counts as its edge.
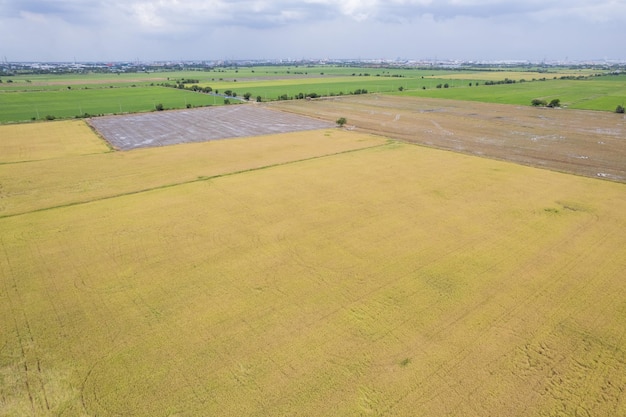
(147, 30)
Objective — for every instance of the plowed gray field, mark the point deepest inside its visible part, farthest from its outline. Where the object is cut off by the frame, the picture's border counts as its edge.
(199, 125)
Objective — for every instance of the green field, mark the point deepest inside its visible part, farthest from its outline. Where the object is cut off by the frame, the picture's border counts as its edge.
(329, 273)
(598, 93)
(34, 97)
(37, 105)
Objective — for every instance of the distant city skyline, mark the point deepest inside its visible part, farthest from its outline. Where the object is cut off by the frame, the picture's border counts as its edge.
(187, 30)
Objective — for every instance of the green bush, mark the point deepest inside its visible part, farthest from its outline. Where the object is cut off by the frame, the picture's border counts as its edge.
(555, 103)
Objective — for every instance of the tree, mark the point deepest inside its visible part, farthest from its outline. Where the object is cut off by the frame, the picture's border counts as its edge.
(341, 121)
(247, 96)
(619, 109)
(400, 88)
(159, 107)
(258, 99)
(539, 102)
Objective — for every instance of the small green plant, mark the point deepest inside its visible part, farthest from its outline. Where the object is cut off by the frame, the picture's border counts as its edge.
(539, 102)
(341, 121)
(159, 107)
(619, 109)
(405, 362)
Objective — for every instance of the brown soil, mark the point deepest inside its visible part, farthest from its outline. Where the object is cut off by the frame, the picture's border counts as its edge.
(579, 142)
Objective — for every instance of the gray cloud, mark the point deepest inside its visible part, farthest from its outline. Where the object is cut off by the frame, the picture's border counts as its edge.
(43, 29)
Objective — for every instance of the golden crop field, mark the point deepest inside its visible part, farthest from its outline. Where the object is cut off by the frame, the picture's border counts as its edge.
(58, 181)
(365, 277)
(37, 141)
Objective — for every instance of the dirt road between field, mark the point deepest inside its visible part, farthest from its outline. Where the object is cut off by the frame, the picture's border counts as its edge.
(585, 143)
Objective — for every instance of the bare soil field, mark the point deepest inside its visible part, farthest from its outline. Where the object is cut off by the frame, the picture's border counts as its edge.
(199, 125)
(585, 143)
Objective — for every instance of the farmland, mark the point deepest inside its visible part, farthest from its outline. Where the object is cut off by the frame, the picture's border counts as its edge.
(602, 94)
(435, 257)
(326, 272)
(199, 125)
(64, 103)
(578, 142)
(40, 96)
(100, 174)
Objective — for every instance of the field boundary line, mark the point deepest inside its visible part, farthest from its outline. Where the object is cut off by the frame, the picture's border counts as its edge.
(26, 161)
(199, 179)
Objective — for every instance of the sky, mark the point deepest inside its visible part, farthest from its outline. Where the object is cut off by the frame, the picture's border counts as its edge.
(158, 30)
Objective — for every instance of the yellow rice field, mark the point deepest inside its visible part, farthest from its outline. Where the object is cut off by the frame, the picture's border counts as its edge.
(37, 141)
(383, 280)
(69, 179)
